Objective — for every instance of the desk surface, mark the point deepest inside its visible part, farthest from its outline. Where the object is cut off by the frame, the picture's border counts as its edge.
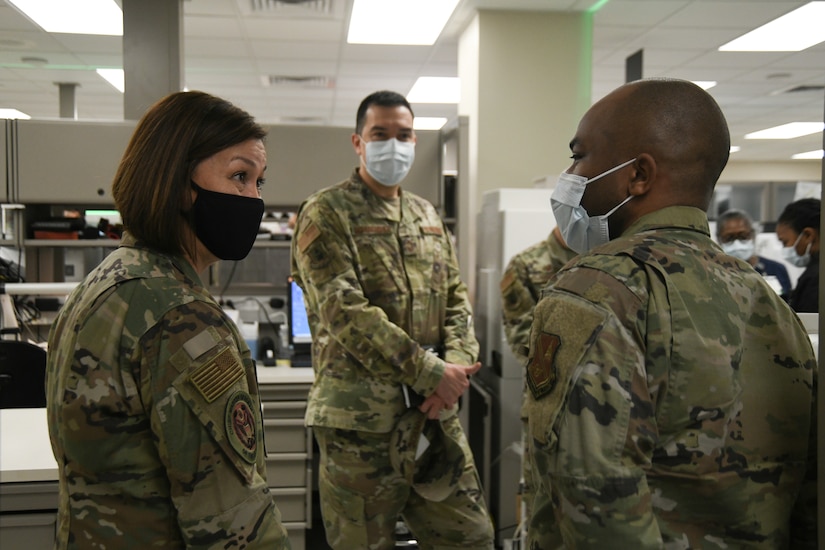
(25, 449)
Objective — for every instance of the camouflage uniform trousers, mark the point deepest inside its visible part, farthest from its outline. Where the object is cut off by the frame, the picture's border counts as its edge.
(362, 496)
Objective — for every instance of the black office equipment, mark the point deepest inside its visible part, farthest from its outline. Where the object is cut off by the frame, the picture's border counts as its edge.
(22, 375)
(300, 338)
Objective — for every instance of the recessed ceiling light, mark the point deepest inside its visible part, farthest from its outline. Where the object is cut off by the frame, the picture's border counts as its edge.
(408, 22)
(435, 89)
(793, 32)
(787, 131)
(812, 155)
(705, 84)
(75, 17)
(113, 77)
(429, 122)
(36, 61)
(13, 113)
(735, 148)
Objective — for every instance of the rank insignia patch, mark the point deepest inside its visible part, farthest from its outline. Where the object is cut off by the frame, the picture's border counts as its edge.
(541, 371)
(241, 428)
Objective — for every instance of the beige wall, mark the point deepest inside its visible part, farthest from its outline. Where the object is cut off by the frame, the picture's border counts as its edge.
(754, 172)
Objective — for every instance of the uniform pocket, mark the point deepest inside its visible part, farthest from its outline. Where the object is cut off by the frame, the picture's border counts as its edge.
(344, 515)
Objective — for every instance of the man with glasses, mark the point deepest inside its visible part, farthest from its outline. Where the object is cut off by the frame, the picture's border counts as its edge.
(737, 237)
(393, 349)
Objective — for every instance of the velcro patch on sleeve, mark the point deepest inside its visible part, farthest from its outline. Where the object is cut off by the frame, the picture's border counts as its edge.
(308, 235)
(218, 375)
(564, 330)
(200, 344)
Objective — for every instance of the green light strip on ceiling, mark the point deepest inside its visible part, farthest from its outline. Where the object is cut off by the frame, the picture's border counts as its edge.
(597, 6)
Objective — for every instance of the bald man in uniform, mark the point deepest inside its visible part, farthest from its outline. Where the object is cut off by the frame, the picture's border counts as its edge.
(671, 389)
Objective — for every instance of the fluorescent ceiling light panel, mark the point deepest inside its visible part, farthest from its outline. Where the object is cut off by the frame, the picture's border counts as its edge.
(705, 84)
(75, 17)
(429, 122)
(812, 155)
(435, 89)
(735, 148)
(113, 77)
(793, 32)
(787, 131)
(407, 22)
(13, 113)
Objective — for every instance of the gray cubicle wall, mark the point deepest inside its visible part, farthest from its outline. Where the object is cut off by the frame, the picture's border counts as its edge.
(304, 159)
(73, 162)
(5, 190)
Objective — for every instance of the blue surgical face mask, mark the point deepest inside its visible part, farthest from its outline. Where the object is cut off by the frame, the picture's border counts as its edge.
(580, 231)
(790, 254)
(744, 250)
(388, 161)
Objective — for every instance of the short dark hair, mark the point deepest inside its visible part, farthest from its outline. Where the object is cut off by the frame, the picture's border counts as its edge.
(151, 188)
(383, 98)
(730, 215)
(801, 214)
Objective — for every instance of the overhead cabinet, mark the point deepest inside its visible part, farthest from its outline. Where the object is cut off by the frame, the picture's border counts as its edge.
(67, 161)
(73, 162)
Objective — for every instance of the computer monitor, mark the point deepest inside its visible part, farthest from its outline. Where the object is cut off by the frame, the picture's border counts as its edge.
(299, 334)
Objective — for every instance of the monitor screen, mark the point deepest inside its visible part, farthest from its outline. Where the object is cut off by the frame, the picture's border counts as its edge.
(298, 323)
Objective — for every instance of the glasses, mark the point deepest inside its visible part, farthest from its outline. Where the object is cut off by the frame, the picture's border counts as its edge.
(741, 236)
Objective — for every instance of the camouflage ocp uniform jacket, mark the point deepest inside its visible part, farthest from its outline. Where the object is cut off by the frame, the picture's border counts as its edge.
(381, 281)
(524, 278)
(671, 401)
(154, 414)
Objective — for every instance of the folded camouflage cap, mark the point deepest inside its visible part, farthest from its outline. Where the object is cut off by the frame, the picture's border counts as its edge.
(433, 472)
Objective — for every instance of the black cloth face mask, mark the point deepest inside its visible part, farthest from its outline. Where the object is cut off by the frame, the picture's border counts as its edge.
(227, 225)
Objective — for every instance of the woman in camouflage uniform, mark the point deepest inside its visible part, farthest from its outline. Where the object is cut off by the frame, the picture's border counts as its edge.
(153, 405)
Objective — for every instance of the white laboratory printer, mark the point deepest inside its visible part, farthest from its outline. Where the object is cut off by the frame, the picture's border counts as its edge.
(510, 221)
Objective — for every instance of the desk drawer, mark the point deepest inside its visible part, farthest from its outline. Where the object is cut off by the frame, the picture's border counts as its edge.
(288, 435)
(284, 409)
(286, 470)
(283, 392)
(30, 531)
(293, 503)
(25, 496)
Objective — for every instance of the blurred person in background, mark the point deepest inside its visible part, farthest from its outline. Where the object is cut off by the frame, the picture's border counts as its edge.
(798, 230)
(737, 237)
(521, 284)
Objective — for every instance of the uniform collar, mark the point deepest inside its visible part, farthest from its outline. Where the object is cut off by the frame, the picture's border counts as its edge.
(178, 262)
(672, 217)
(389, 209)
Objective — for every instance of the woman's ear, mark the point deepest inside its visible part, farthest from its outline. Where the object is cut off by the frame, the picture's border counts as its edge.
(812, 234)
(643, 174)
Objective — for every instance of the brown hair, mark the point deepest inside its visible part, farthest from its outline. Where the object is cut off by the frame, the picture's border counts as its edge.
(152, 183)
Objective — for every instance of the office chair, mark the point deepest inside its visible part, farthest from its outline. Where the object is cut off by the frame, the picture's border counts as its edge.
(22, 375)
